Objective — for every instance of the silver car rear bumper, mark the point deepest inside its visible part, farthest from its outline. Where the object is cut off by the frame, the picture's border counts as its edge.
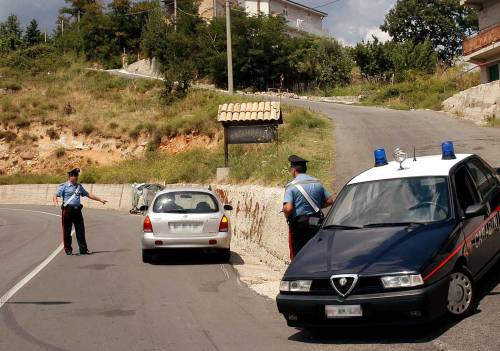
(150, 241)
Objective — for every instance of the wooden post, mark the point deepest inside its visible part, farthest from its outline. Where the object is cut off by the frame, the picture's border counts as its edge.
(226, 149)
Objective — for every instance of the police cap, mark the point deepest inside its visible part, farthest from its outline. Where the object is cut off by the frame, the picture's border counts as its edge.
(297, 161)
(74, 172)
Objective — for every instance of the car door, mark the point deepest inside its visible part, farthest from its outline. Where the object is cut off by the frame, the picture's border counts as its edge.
(487, 185)
(467, 195)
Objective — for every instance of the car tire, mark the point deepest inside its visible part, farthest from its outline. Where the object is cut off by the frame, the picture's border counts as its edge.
(224, 255)
(462, 300)
(147, 256)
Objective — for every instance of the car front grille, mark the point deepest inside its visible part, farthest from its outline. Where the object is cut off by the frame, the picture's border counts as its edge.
(364, 285)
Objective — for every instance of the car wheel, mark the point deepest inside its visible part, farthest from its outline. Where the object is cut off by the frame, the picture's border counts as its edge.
(147, 256)
(461, 294)
(225, 255)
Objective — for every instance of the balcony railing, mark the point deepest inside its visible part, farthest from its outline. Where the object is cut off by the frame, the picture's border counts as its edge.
(483, 39)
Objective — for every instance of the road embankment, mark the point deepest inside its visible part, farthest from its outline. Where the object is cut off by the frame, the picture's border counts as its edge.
(260, 233)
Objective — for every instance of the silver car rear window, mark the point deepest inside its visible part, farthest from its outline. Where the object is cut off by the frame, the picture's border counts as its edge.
(185, 202)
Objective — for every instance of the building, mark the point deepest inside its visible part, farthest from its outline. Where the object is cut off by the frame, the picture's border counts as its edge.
(299, 17)
(483, 49)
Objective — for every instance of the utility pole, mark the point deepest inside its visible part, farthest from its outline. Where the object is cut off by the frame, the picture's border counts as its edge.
(45, 37)
(230, 87)
(62, 27)
(175, 15)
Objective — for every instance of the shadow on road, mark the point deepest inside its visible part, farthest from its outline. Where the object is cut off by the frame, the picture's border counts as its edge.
(489, 285)
(44, 303)
(190, 257)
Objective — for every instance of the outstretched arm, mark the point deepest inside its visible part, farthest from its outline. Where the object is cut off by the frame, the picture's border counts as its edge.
(96, 198)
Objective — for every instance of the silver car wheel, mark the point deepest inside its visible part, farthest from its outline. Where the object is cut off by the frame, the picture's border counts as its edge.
(459, 293)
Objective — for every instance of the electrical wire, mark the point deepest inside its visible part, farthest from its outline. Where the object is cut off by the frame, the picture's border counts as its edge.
(326, 4)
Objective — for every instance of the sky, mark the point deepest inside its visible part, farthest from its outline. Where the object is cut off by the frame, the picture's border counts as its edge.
(348, 20)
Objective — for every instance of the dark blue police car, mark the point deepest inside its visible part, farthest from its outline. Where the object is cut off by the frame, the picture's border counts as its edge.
(404, 241)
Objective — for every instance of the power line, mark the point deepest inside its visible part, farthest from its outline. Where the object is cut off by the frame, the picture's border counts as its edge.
(326, 4)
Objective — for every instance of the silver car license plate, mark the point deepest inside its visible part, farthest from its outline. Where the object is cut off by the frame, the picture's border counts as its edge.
(343, 311)
(186, 227)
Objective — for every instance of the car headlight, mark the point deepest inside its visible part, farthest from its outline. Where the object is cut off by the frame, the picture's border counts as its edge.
(402, 281)
(295, 285)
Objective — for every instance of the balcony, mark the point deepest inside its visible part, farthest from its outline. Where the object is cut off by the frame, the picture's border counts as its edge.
(483, 45)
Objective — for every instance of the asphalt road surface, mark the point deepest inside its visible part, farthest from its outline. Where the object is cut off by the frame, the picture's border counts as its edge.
(360, 130)
(186, 301)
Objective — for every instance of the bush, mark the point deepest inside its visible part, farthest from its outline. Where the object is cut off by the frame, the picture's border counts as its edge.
(22, 123)
(87, 128)
(60, 152)
(10, 86)
(52, 134)
(36, 59)
(8, 136)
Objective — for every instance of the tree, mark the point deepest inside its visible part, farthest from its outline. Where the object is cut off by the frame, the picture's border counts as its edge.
(32, 35)
(10, 34)
(77, 8)
(444, 23)
(373, 60)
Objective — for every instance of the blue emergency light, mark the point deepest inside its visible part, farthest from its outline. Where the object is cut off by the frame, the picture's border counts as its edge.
(448, 151)
(380, 157)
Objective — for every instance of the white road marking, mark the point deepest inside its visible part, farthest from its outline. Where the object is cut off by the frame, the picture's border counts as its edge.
(8, 295)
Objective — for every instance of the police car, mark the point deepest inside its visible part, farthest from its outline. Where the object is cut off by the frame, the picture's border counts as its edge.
(405, 241)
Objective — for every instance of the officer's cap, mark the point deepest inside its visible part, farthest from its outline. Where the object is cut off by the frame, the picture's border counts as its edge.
(74, 172)
(297, 161)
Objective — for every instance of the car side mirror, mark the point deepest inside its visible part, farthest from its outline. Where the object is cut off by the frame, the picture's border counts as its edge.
(476, 210)
(315, 222)
(143, 208)
(228, 207)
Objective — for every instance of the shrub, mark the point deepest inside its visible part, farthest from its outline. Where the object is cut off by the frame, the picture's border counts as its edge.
(22, 123)
(11, 86)
(60, 152)
(8, 136)
(52, 134)
(113, 125)
(88, 128)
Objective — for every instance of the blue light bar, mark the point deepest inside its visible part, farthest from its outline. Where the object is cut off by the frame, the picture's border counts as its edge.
(448, 151)
(380, 157)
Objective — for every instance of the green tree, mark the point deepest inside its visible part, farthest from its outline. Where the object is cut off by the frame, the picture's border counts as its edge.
(10, 34)
(32, 35)
(444, 23)
(409, 57)
(77, 8)
(373, 60)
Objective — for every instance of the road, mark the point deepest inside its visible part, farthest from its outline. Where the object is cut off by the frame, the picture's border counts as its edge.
(360, 130)
(112, 301)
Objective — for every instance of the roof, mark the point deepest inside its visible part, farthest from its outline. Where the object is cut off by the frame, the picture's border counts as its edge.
(312, 9)
(425, 166)
(250, 111)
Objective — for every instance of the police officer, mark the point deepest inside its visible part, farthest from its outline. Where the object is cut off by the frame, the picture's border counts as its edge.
(70, 193)
(305, 196)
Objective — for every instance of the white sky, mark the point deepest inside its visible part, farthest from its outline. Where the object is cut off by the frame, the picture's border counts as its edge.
(348, 20)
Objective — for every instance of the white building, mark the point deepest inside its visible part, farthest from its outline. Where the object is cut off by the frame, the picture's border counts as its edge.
(298, 16)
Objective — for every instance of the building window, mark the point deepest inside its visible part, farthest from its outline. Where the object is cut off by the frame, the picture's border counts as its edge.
(285, 11)
(493, 73)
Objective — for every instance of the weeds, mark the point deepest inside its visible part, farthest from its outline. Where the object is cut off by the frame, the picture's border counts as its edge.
(52, 134)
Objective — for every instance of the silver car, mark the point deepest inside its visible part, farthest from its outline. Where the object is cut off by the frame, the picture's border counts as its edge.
(186, 217)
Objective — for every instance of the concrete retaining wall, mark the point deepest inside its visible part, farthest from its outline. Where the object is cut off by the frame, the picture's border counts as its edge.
(258, 226)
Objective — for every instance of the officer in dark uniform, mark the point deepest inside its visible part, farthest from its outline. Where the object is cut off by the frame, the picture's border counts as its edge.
(70, 193)
(305, 196)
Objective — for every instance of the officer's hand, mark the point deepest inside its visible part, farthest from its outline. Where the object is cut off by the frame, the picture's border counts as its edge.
(55, 201)
(104, 202)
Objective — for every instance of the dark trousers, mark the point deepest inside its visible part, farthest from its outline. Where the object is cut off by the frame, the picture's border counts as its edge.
(300, 232)
(73, 216)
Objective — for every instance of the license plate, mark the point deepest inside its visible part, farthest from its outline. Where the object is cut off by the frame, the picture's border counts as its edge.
(343, 311)
(186, 227)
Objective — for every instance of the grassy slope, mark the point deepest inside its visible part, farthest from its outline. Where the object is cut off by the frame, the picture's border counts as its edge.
(418, 92)
(115, 107)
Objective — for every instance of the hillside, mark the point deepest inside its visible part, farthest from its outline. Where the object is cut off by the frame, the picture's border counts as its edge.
(119, 130)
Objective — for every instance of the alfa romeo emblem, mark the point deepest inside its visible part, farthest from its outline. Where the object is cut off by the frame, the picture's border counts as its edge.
(343, 284)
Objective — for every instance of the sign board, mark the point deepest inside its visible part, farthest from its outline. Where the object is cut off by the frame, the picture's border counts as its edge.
(251, 134)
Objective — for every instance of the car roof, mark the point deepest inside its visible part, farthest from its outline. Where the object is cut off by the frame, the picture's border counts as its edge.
(186, 188)
(425, 166)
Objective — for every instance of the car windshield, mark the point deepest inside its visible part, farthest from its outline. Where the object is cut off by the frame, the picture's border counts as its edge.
(417, 200)
(185, 202)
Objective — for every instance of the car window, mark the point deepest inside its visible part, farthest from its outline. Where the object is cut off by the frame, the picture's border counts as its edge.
(185, 202)
(416, 199)
(484, 180)
(466, 192)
